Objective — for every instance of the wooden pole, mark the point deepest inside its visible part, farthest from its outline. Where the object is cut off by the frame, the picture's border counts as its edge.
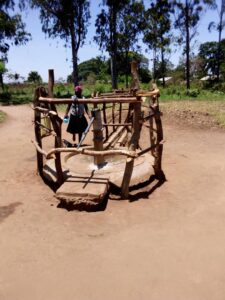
(57, 126)
(98, 136)
(50, 83)
(135, 84)
(94, 101)
(133, 146)
(37, 131)
(159, 149)
(105, 121)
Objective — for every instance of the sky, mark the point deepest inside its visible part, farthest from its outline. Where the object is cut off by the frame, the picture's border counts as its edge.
(43, 53)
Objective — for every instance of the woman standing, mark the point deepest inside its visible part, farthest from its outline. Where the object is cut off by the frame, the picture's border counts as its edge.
(77, 122)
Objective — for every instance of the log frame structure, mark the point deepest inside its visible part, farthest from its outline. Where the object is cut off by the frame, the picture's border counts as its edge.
(125, 129)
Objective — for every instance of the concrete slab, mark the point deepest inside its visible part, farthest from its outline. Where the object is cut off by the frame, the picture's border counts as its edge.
(88, 190)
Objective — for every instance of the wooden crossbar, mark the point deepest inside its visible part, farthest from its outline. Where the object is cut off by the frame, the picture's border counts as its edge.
(51, 153)
(90, 100)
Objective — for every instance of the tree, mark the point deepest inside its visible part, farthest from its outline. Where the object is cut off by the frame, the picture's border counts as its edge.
(162, 68)
(208, 53)
(34, 77)
(130, 26)
(98, 66)
(12, 31)
(187, 16)
(157, 32)
(3, 70)
(219, 27)
(143, 65)
(67, 19)
(107, 32)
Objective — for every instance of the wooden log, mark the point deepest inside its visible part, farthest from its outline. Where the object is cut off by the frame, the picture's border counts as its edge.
(39, 149)
(57, 126)
(135, 84)
(148, 94)
(94, 153)
(117, 124)
(120, 113)
(46, 128)
(114, 95)
(98, 137)
(149, 148)
(113, 114)
(50, 83)
(45, 110)
(89, 101)
(159, 149)
(122, 139)
(105, 121)
(37, 131)
(133, 146)
(115, 135)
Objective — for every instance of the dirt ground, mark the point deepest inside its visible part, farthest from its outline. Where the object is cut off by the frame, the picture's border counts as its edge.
(168, 244)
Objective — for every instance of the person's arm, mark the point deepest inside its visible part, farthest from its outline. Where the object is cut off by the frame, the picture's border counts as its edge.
(67, 110)
(87, 110)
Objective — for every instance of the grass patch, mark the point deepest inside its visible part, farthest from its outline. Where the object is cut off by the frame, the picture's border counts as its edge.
(209, 113)
(2, 116)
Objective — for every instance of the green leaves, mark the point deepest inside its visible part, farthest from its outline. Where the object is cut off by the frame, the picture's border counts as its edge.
(12, 29)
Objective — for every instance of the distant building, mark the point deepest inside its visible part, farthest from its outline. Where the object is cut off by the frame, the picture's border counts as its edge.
(167, 79)
(208, 77)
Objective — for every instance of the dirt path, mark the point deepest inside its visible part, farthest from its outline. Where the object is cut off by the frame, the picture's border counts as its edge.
(168, 245)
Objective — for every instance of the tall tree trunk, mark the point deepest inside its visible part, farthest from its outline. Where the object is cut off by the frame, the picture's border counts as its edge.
(154, 64)
(127, 68)
(187, 29)
(113, 38)
(2, 82)
(75, 48)
(113, 71)
(163, 67)
(219, 40)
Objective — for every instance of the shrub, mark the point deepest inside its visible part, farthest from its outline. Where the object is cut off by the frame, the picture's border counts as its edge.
(5, 97)
(193, 93)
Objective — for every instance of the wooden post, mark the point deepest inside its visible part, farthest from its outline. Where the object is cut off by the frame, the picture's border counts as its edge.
(50, 83)
(159, 149)
(37, 130)
(57, 124)
(98, 136)
(135, 84)
(120, 113)
(105, 121)
(133, 146)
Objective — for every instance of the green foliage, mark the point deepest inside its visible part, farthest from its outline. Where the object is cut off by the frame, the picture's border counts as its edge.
(208, 52)
(117, 28)
(193, 93)
(62, 90)
(2, 116)
(157, 34)
(34, 77)
(5, 98)
(97, 66)
(12, 29)
(67, 20)
(187, 17)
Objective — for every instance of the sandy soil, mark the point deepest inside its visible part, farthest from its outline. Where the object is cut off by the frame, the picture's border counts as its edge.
(168, 244)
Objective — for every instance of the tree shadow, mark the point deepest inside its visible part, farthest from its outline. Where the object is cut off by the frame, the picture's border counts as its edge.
(7, 210)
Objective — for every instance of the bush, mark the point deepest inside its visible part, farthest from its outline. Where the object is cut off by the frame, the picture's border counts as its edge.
(5, 97)
(193, 93)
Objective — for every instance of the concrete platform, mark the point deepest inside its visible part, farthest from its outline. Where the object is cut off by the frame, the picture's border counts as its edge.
(87, 184)
(113, 168)
(83, 190)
